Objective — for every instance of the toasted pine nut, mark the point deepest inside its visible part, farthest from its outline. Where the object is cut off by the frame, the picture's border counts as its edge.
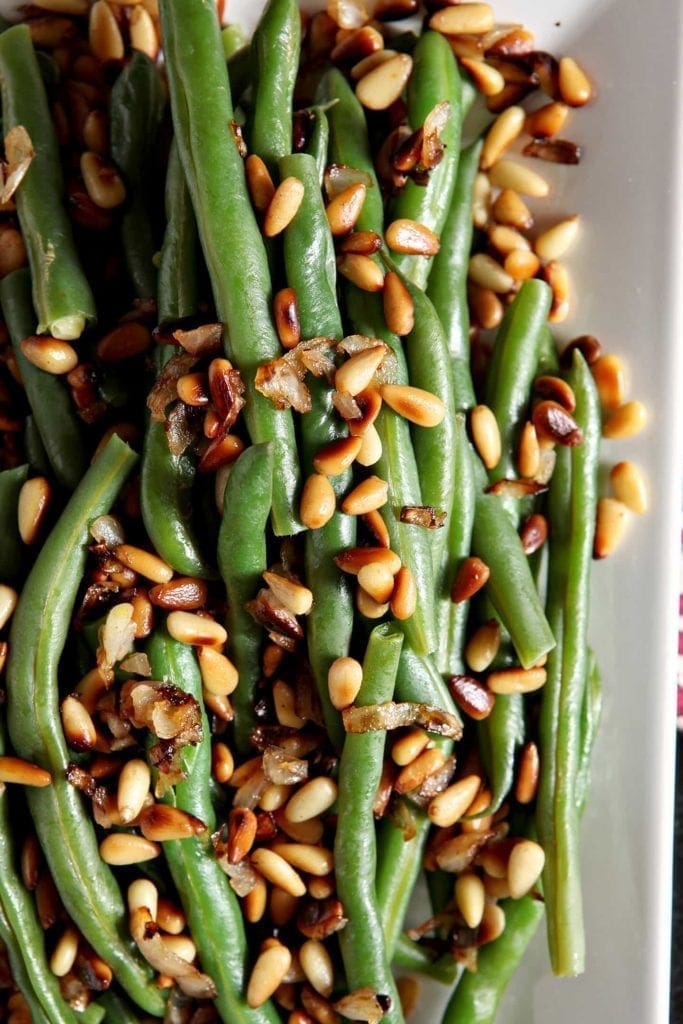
(404, 598)
(222, 763)
(23, 773)
(124, 342)
(368, 495)
(449, 806)
(32, 506)
(143, 33)
(259, 182)
(314, 860)
(547, 120)
(344, 210)
(409, 746)
(470, 897)
(486, 435)
(487, 79)
(506, 239)
(4, 650)
(411, 237)
(463, 19)
(420, 407)
(575, 88)
(219, 674)
(12, 251)
(337, 456)
(488, 273)
(356, 373)
(408, 989)
(163, 822)
(344, 679)
(283, 207)
(102, 181)
(79, 728)
(267, 974)
(121, 848)
(144, 562)
(256, 901)
(318, 501)
(284, 699)
(377, 527)
(106, 41)
(370, 451)
(218, 705)
(50, 354)
(524, 867)
(189, 628)
(521, 264)
(143, 614)
(133, 788)
(353, 559)
(373, 60)
(483, 645)
(526, 782)
(292, 594)
(377, 580)
(628, 484)
(509, 208)
(143, 893)
(528, 452)
(275, 795)
(399, 309)
(608, 373)
(276, 870)
(516, 680)
(486, 309)
(502, 133)
(73, 7)
(625, 421)
(555, 273)
(182, 593)
(317, 966)
(481, 200)
(286, 312)
(368, 607)
(510, 174)
(414, 774)
(182, 946)
(558, 239)
(313, 798)
(381, 86)
(64, 954)
(361, 271)
(353, 46)
(610, 526)
(492, 923)
(170, 916)
(470, 577)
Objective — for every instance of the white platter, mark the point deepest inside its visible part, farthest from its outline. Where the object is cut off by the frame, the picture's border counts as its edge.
(626, 272)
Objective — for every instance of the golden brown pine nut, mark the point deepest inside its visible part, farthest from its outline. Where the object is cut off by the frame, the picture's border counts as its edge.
(313, 798)
(344, 210)
(470, 898)
(486, 309)
(509, 208)
(50, 354)
(222, 763)
(502, 133)
(409, 746)
(488, 273)
(463, 19)
(182, 593)
(162, 822)
(286, 312)
(79, 728)
(64, 954)
(23, 773)
(575, 88)
(399, 309)
(377, 580)
(370, 451)
(555, 241)
(256, 901)
(218, 705)
(337, 456)
(277, 871)
(420, 407)
(483, 645)
(471, 577)
(363, 243)
(610, 526)
(487, 79)
(34, 500)
(221, 452)
(628, 484)
(526, 782)
(361, 271)
(404, 597)
(547, 120)
(409, 994)
(507, 239)
(12, 251)
(377, 527)
(492, 924)
(123, 342)
(516, 680)
(373, 60)
(73, 7)
(414, 774)
(189, 628)
(259, 182)
(143, 614)
(143, 893)
(356, 373)
(381, 86)
(344, 679)
(106, 41)
(219, 674)
(283, 207)
(510, 174)
(121, 848)
(292, 594)
(555, 273)
(625, 421)
(353, 559)
(486, 435)
(521, 264)
(267, 974)
(524, 867)
(449, 806)
(102, 181)
(368, 607)
(4, 651)
(318, 501)
(144, 562)
(368, 495)
(313, 860)
(357, 44)
(143, 33)
(608, 373)
(170, 916)
(96, 132)
(317, 966)
(411, 237)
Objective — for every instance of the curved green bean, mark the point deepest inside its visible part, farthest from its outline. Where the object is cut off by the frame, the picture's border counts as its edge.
(178, 290)
(278, 32)
(11, 482)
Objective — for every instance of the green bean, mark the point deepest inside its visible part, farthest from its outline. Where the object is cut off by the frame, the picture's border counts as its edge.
(85, 883)
(571, 514)
(51, 405)
(311, 271)
(18, 970)
(242, 558)
(234, 40)
(61, 294)
(232, 243)
(435, 77)
(136, 109)
(365, 955)
(11, 555)
(117, 1009)
(240, 66)
(278, 32)
(500, 735)
(591, 712)
(319, 139)
(411, 956)
(212, 908)
(178, 291)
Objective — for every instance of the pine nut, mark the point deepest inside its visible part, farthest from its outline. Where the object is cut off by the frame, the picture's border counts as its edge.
(259, 183)
(381, 86)
(317, 966)
(267, 974)
(133, 788)
(533, 533)
(219, 674)
(420, 407)
(409, 994)
(486, 435)
(481, 200)
(510, 174)
(353, 559)
(370, 494)
(143, 893)
(492, 924)
(471, 696)
(470, 578)
(344, 679)
(483, 646)
(286, 311)
(470, 897)
(49, 354)
(256, 901)
(184, 593)
(79, 728)
(610, 526)
(609, 377)
(64, 954)
(292, 594)
(356, 373)
(557, 240)
(404, 598)
(4, 650)
(368, 607)
(314, 860)
(370, 451)
(486, 309)
(344, 210)
(488, 273)
(361, 271)
(143, 33)
(449, 806)
(12, 251)
(170, 917)
(284, 700)
(487, 79)
(476, 820)
(526, 782)
(506, 239)
(528, 452)
(102, 181)
(377, 580)
(463, 19)
(32, 507)
(106, 41)
(277, 871)
(500, 136)
(163, 822)
(573, 83)
(625, 421)
(399, 309)
(509, 208)
(182, 946)
(409, 746)
(524, 867)
(222, 763)
(373, 60)
(283, 207)
(547, 120)
(218, 705)
(312, 799)
(122, 848)
(521, 264)
(337, 456)
(144, 562)
(516, 680)
(124, 342)
(356, 45)
(275, 795)
(318, 502)
(556, 275)
(628, 484)
(73, 7)
(412, 238)
(23, 773)
(414, 774)
(377, 527)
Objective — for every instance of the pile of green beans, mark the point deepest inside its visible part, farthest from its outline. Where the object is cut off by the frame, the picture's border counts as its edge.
(199, 559)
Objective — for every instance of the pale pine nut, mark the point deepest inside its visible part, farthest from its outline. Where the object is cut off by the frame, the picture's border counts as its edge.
(344, 210)
(609, 377)
(409, 746)
(283, 207)
(610, 526)
(483, 646)
(486, 435)
(526, 782)
(368, 607)
(132, 790)
(558, 239)
(314, 860)
(470, 578)
(181, 945)
(222, 763)
(106, 41)
(79, 728)
(32, 506)
(64, 954)
(555, 273)
(496, 888)
(412, 238)
(487, 79)
(310, 831)
(476, 821)
(510, 174)
(463, 19)
(344, 679)
(625, 421)
(143, 893)
(259, 182)
(121, 848)
(509, 208)
(366, 496)
(370, 451)
(274, 796)
(628, 484)
(143, 33)
(317, 966)
(193, 629)
(481, 200)
(286, 311)
(144, 562)
(492, 923)
(102, 181)
(506, 239)
(356, 373)
(373, 60)
(219, 674)
(8, 602)
(318, 501)
(486, 309)
(312, 799)
(524, 867)
(361, 271)
(404, 598)
(284, 700)
(521, 264)
(256, 901)
(502, 133)
(414, 774)
(516, 680)
(382, 85)
(337, 456)
(399, 309)
(414, 404)
(50, 354)
(449, 806)
(170, 916)
(267, 974)
(573, 83)
(470, 897)
(353, 559)
(547, 121)
(277, 871)
(292, 594)
(160, 823)
(23, 773)
(377, 580)
(488, 273)
(218, 705)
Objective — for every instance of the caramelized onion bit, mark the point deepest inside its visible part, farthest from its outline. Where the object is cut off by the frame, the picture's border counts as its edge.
(282, 380)
(182, 428)
(434, 783)
(364, 1004)
(432, 143)
(339, 177)
(204, 340)
(164, 390)
(167, 711)
(423, 515)
(282, 768)
(20, 153)
(318, 919)
(272, 614)
(395, 715)
(517, 488)
(150, 942)
(556, 151)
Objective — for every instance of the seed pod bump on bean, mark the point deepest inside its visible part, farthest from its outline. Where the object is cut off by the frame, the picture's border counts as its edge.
(511, 174)
(318, 501)
(381, 86)
(412, 238)
(33, 503)
(447, 807)
(470, 577)
(486, 435)
(283, 207)
(524, 867)
(574, 85)
(628, 484)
